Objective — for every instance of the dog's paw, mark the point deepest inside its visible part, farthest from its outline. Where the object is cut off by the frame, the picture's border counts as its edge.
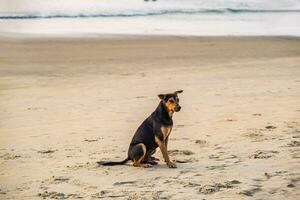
(146, 165)
(152, 162)
(171, 165)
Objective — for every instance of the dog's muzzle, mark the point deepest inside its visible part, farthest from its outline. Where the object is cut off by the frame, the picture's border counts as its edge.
(177, 108)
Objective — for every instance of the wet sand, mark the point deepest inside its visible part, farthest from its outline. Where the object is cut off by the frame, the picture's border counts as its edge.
(67, 103)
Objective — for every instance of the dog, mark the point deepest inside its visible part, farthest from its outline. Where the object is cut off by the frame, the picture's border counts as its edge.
(152, 133)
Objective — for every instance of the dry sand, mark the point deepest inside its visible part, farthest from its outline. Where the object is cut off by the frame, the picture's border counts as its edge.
(67, 103)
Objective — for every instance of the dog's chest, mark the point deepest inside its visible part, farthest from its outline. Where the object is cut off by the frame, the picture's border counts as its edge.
(166, 130)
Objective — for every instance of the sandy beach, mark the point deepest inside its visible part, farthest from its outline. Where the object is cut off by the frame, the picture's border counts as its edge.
(67, 103)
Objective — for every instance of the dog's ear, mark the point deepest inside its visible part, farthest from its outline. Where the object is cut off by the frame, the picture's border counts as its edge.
(178, 91)
(161, 96)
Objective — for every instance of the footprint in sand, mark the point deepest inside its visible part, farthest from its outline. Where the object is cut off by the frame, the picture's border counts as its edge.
(257, 114)
(58, 195)
(9, 156)
(201, 143)
(92, 140)
(292, 124)
(48, 151)
(60, 179)
(180, 152)
(296, 131)
(209, 189)
(255, 134)
(80, 166)
(2, 191)
(54, 180)
(259, 154)
(250, 192)
(108, 194)
(294, 143)
(270, 127)
(127, 183)
(293, 182)
(217, 167)
(186, 160)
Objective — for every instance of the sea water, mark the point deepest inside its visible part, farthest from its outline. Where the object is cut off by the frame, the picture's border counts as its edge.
(160, 17)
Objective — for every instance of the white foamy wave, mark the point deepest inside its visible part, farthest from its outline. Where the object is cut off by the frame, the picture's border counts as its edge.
(123, 8)
(191, 17)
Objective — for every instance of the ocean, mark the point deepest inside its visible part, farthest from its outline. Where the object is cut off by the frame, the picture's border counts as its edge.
(160, 17)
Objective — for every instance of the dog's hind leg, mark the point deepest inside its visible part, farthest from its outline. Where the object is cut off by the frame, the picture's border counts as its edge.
(149, 158)
(137, 155)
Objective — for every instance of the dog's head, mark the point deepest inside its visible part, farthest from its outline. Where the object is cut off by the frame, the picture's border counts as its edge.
(171, 101)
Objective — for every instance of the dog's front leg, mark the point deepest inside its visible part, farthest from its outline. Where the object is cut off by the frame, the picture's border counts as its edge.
(164, 151)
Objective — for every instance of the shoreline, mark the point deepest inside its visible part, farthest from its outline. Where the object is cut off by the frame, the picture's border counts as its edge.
(69, 36)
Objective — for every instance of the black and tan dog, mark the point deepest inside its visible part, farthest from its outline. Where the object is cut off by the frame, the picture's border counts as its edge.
(152, 133)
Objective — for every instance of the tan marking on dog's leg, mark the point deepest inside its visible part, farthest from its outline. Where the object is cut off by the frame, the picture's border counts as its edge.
(164, 151)
(166, 130)
(137, 163)
(166, 142)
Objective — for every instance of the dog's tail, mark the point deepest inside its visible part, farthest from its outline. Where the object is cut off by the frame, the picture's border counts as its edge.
(109, 163)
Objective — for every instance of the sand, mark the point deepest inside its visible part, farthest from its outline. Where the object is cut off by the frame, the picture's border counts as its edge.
(67, 103)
